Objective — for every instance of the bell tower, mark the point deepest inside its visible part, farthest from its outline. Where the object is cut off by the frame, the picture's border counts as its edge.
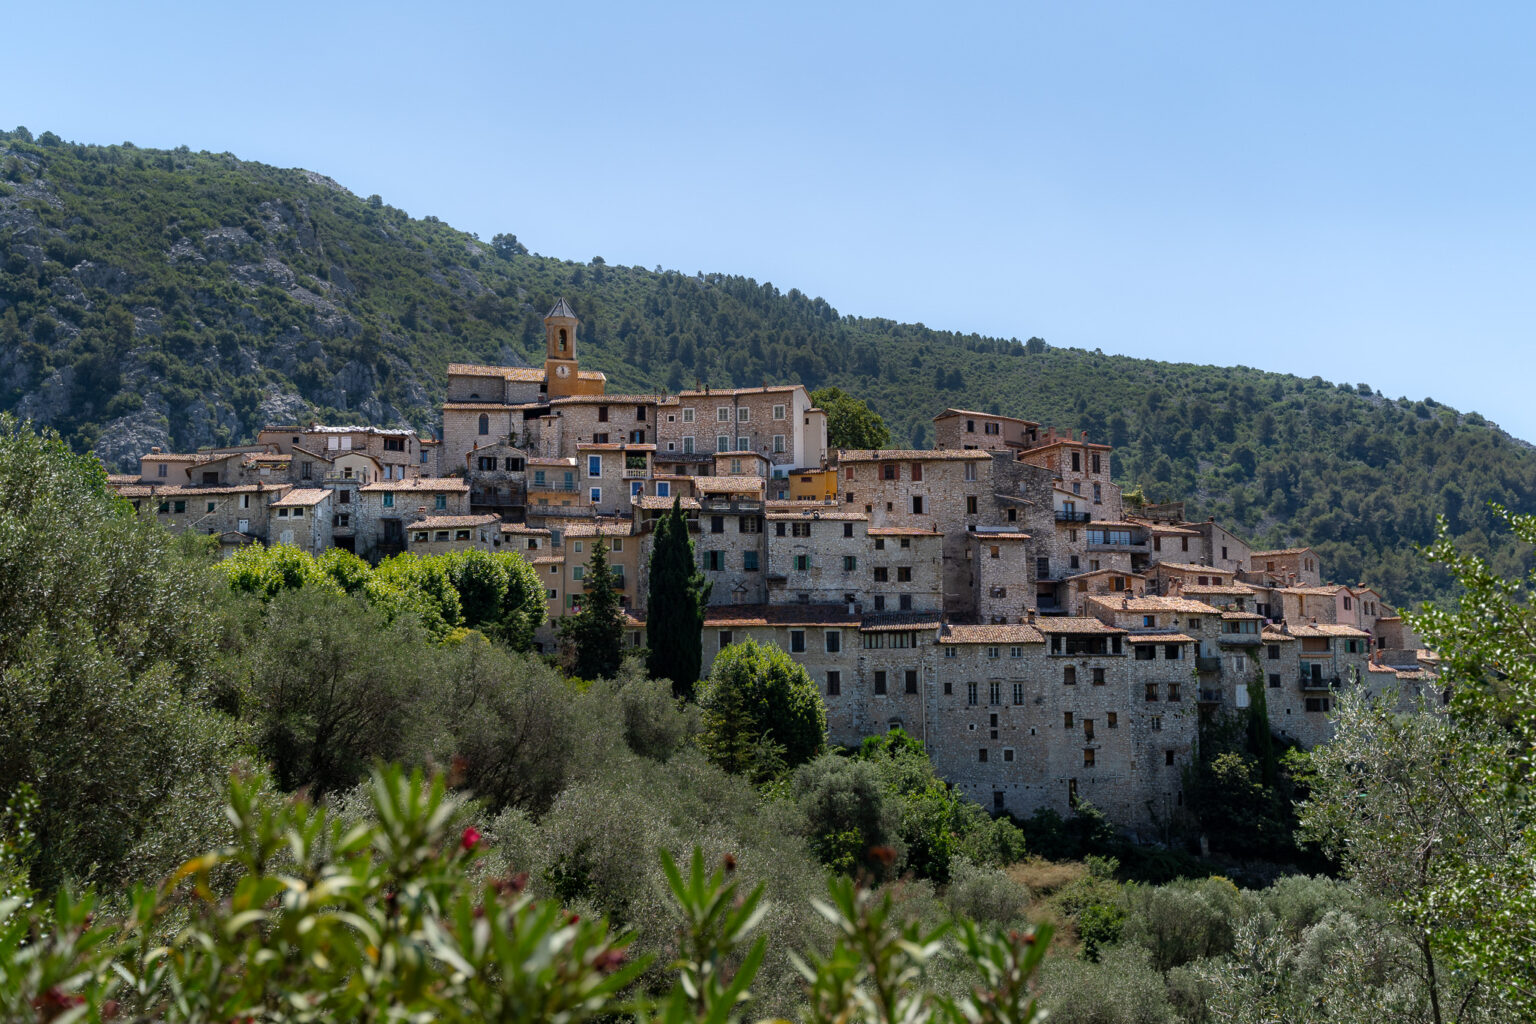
(560, 374)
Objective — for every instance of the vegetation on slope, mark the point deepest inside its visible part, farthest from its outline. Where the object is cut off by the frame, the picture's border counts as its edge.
(180, 298)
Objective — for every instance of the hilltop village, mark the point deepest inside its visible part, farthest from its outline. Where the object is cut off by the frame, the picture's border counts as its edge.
(994, 596)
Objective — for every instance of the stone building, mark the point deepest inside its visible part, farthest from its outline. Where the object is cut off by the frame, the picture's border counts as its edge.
(963, 428)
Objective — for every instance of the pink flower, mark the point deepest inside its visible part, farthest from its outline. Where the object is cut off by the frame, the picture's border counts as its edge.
(471, 838)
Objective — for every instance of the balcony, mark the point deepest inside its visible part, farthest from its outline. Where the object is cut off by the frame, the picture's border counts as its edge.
(1130, 545)
(1320, 684)
(1211, 696)
(1073, 517)
(559, 487)
(1207, 664)
(1241, 638)
(713, 504)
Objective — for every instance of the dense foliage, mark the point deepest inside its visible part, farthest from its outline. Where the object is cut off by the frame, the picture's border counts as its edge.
(180, 298)
(762, 712)
(593, 637)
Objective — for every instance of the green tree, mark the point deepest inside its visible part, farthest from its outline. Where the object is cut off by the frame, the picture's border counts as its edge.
(675, 612)
(850, 423)
(1435, 812)
(594, 636)
(756, 697)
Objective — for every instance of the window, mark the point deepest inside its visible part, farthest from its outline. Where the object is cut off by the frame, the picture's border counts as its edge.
(970, 694)
(743, 444)
(778, 443)
(1096, 465)
(879, 682)
(797, 641)
(595, 495)
(579, 572)
(1168, 758)
(1007, 756)
(994, 695)
(688, 445)
(687, 415)
(1098, 498)
(722, 414)
(1272, 651)
(970, 504)
(1077, 462)
(743, 414)
(1274, 680)
(1145, 652)
(917, 504)
(714, 561)
(461, 535)
(1018, 693)
(778, 412)
(1317, 703)
(717, 524)
(749, 561)
(298, 513)
(485, 426)
(211, 506)
(1098, 677)
(1111, 720)
(981, 755)
(970, 472)
(905, 602)
(663, 489)
(802, 563)
(1157, 723)
(1066, 719)
(850, 563)
(991, 652)
(834, 683)
(725, 638)
(847, 529)
(1087, 757)
(722, 442)
(1173, 691)
(911, 680)
(1151, 691)
(903, 574)
(1068, 675)
(834, 640)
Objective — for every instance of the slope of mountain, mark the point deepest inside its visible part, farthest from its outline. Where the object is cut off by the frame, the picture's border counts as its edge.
(178, 298)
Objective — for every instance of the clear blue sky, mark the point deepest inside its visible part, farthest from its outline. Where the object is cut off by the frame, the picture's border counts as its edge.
(1340, 189)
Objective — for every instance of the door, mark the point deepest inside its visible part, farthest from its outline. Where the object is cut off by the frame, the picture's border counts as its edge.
(244, 526)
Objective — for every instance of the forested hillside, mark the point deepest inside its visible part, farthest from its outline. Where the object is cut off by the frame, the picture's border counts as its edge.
(182, 299)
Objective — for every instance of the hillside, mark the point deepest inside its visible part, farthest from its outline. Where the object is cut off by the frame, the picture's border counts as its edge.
(179, 298)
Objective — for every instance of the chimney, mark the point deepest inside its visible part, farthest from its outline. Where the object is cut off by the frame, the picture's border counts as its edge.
(1031, 616)
(155, 450)
(421, 510)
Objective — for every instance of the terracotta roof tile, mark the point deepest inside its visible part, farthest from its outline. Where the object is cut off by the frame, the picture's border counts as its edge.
(743, 615)
(913, 455)
(1011, 633)
(303, 497)
(1067, 624)
(419, 483)
(448, 522)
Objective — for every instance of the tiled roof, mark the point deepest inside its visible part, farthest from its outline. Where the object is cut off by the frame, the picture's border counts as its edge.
(1000, 535)
(1105, 572)
(1234, 616)
(420, 483)
(551, 462)
(984, 415)
(594, 528)
(608, 400)
(1166, 530)
(549, 560)
(1058, 444)
(816, 512)
(1160, 638)
(517, 373)
(728, 392)
(1153, 604)
(1011, 633)
(122, 479)
(1234, 590)
(174, 491)
(1326, 629)
(1067, 624)
(719, 616)
(1115, 522)
(562, 310)
(1272, 635)
(1188, 567)
(899, 622)
(522, 528)
(447, 522)
(902, 531)
(1279, 551)
(729, 483)
(913, 455)
(171, 457)
(302, 496)
(1313, 591)
(476, 407)
(650, 502)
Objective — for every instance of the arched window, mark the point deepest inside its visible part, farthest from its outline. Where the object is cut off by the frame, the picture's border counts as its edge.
(485, 424)
(562, 339)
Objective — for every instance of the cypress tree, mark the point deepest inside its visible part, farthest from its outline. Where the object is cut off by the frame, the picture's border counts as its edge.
(595, 635)
(675, 613)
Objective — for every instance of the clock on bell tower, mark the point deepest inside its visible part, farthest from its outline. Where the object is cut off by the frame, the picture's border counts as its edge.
(560, 368)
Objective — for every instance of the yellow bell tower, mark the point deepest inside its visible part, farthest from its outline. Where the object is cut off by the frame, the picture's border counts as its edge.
(560, 371)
